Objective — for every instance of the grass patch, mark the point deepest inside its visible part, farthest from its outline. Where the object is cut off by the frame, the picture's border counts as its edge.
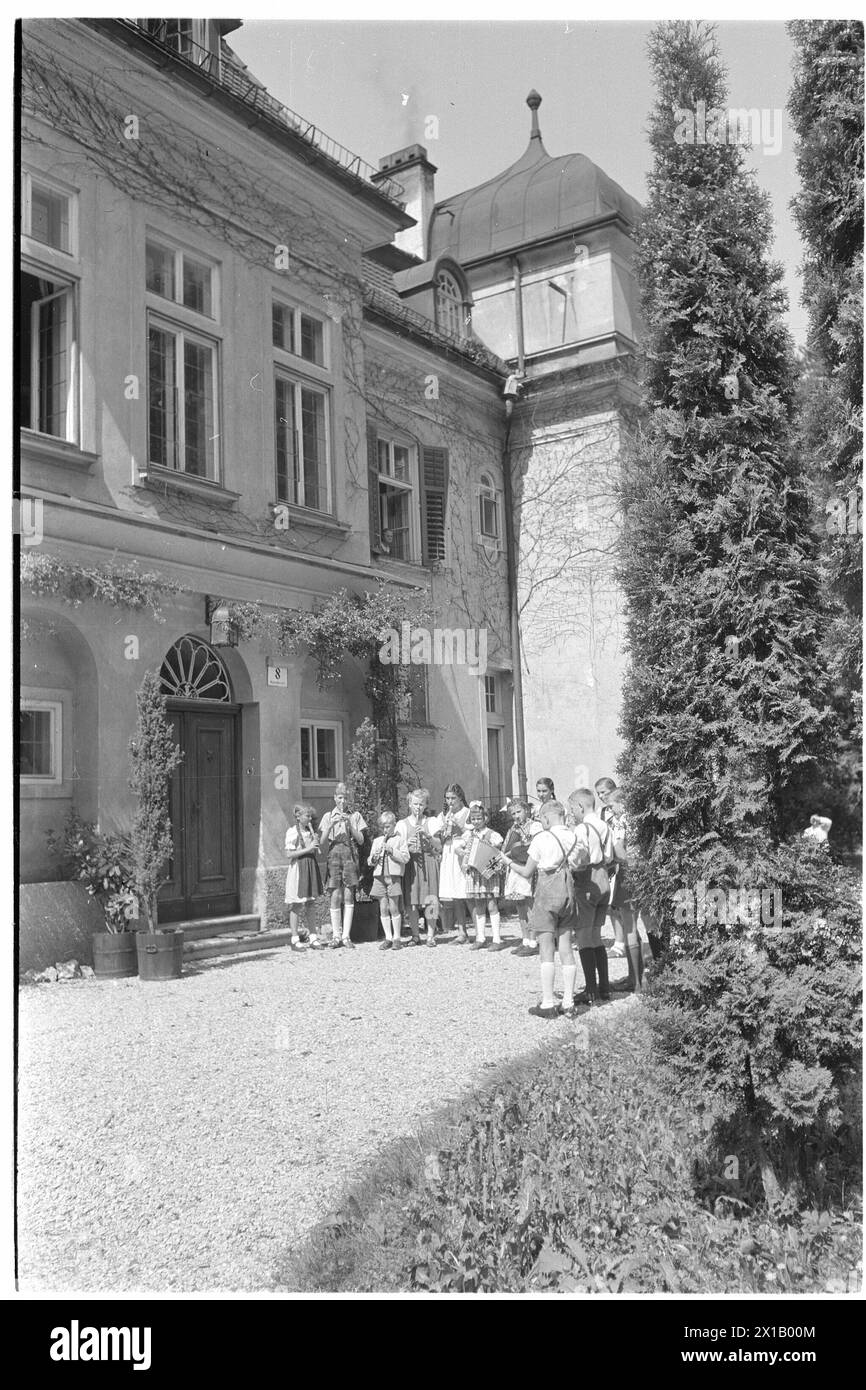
(574, 1170)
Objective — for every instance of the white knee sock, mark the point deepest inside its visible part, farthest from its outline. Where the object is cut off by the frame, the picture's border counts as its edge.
(496, 925)
(348, 914)
(336, 918)
(569, 975)
(548, 972)
(480, 918)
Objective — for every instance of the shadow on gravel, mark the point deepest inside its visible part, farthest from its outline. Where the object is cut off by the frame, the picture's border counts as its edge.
(207, 967)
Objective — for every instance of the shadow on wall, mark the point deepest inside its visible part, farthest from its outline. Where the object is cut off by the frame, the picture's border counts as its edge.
(55, 923)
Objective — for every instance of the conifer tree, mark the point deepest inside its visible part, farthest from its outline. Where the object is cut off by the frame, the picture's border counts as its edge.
(826, 109)
(726, 708)
(726, 701)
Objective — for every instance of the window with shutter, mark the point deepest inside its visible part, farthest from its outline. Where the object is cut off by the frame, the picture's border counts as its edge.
(373, 488)
(434, 495)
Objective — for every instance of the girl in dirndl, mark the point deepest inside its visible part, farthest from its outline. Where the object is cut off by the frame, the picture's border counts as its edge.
(448, 829)
(303, 880)
(483, 889)
(421, 875)
(517, 889)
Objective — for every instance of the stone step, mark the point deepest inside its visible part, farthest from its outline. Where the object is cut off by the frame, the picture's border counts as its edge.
(236, 944)
(205, 927)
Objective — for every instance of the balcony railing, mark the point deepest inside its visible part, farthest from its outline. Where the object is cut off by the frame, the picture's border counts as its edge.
(223, 73)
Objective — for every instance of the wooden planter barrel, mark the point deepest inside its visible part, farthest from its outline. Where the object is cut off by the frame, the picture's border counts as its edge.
(114, 955)
(160, 955)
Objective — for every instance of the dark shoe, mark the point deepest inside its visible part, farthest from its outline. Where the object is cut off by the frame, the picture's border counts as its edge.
(336, 944)
(538, 1012)
(397, 945)
(385, 946)
(568, 1013)
(318, 946)
(416, 941)
(524, 952)
(460, 940)
(348, 943)
(585, 999)
(431, 943)
(478, 946)
(622, 987)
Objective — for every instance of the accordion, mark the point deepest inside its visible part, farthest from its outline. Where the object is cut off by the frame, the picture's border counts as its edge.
(481, 858)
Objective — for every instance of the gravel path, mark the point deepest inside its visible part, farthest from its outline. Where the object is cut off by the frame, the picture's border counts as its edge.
(179, 1135)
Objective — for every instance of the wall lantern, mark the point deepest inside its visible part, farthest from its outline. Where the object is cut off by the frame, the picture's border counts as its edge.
(223, 631)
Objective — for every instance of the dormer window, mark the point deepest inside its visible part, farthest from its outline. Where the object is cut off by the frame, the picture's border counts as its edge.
(194, 39)
(452, 314)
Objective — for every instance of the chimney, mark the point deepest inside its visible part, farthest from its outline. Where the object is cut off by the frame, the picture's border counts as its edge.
(411, 168)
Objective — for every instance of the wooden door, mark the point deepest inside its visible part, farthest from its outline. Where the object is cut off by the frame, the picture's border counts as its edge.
(204, 816)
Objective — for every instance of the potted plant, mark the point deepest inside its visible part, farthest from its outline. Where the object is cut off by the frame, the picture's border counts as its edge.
(154, 756)
(103, 864)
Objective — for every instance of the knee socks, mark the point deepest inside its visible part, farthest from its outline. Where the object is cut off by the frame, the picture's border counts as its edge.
(587, 962)
(496, 926)
(569, 974)
(548, 972)
(348, 914)
(601, 971)
(336, 920)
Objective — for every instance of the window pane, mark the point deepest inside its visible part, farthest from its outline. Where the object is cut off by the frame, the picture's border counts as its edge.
(494, 763)
(306, 762)
(49, 217)
(51, 329)
(159, 269)
(395, 518)
(495, 322)
(315, 474)
(549, 313)
(287, 441)
(401, 463)
(198, 409)
(489, 517)
(490, 693)
(36, 745)
(312, 340)
(162, 398)
(282, 327)
(197, 286)
(326, 755)
(383, 450)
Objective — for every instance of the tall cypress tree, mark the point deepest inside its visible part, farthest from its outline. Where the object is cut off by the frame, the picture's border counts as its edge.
(826, 109)
(726, 701)
(726, 709)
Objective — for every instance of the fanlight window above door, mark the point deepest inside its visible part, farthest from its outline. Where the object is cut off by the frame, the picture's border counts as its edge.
(193, 671)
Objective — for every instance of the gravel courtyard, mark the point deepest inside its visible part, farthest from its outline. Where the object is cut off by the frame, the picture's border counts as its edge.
(180, 1135)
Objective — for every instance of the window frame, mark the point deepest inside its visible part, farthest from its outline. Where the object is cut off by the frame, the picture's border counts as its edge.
(69, 285)
(60, 189)
(153, 237)
(410, 489)
(55, 708)
(300, 383)
(314, 724)
(299, 311)
(448, 305)
(489, 493)
(183, 331)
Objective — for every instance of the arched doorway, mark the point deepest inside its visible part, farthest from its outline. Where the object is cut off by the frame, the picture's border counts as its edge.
(204, 789)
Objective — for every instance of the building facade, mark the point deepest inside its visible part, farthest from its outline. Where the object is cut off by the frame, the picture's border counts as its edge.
(222, 393)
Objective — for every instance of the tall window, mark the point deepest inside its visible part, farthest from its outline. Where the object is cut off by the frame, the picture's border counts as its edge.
(451, 312)
(48, 360)
(413, 707)
(39, 741)
(396, 481)
(182, 362)
(188, 37)
(488, 509)
(302, 408)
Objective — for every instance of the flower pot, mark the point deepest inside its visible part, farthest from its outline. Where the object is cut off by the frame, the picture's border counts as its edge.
(365, 922)
(114, 955)
(160, 955)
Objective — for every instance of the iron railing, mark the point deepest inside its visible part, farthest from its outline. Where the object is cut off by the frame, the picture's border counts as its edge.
(225, 74)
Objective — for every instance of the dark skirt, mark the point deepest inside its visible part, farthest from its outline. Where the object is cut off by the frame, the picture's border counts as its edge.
(420, 879)
(309, 878)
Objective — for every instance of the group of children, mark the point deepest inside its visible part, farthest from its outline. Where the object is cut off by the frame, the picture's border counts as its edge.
(562, 866)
